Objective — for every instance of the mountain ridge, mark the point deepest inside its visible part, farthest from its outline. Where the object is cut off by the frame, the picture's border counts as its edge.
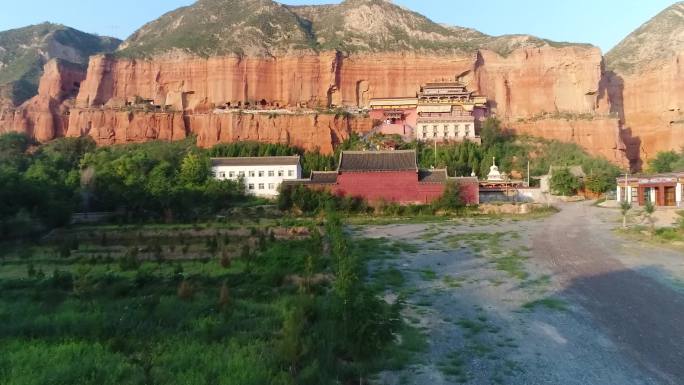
(269, 28)
(658, 39)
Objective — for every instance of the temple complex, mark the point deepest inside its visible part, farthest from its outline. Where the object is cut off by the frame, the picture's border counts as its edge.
(441, 111)
(388, 176)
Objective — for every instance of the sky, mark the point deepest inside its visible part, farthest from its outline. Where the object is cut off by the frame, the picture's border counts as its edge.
(600, 22)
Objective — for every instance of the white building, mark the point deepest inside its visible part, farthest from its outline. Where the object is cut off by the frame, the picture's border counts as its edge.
(262, 176)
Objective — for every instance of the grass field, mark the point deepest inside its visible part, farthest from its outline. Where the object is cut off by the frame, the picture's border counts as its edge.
(248, 303)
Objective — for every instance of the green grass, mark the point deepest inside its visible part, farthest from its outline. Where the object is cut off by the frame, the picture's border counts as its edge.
(513, 265)
(411, 344)
(547, 303)
(453, 282)
(428, 274)
(454, 365)
(390, 278)
(473, 327)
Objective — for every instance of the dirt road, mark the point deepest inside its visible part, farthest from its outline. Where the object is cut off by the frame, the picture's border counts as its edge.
(640, 312)
(560, 300)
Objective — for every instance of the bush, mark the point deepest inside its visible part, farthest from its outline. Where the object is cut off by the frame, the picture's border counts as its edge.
(450, 199)
(564, 183)
(185, 291)
(130, 260)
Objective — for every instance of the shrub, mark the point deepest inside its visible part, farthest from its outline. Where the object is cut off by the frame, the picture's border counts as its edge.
(224, 296)
(130, 260)
(62, 280)
(185, 290)
(225, 260)
(564, 183)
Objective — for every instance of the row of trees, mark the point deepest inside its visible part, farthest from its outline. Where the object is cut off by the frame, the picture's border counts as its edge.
(169, 180)
(38, 186)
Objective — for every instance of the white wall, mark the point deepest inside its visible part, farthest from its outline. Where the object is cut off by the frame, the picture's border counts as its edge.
(445, 130)
(261, 181)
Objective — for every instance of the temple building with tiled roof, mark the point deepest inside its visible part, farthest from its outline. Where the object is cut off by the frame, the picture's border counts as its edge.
(388, 176)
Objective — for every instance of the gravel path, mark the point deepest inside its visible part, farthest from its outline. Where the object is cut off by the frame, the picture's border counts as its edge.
(560, 300)
(626, 296)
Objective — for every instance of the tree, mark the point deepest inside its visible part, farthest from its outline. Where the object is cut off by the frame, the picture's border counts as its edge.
(194, 170)
(564, 183)
(649, 209)
(450, 199)
(663, 162)
(491, 132)
(600, 182)
(291, 347)
(624, 208)
(224, 296)
(225, 259)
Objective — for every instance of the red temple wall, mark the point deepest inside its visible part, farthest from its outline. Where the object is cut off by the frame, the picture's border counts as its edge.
(395, 186)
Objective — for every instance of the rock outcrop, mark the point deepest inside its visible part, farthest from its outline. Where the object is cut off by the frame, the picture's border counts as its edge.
(646, 72)
(45, 116)
(311, 132)
(627, 108)
(24, 52)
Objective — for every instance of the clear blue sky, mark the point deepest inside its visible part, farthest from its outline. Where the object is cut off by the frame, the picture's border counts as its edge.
(600, 22)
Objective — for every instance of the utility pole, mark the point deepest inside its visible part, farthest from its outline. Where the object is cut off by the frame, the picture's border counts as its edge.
(528, 173)
(435, 152)
(626, 187)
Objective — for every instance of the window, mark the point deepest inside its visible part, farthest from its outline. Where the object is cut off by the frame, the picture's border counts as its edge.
(271, 186)
(231, 174)
(261, 174)
(281, 173)
(290, 172)
(251, 186)
(241, 173)
(271, 173)
(222, 175)
(434, 128)
(424, 134)
(261, 186)
(434, 134)
(424, 128)
(252, 174)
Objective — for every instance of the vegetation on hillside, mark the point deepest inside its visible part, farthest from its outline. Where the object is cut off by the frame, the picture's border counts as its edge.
(265, 27)
(23, 52)
(667, 161)
(656, 40)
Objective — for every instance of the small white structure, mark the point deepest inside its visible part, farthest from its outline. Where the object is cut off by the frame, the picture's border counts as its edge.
(494, 174)
(261, 176)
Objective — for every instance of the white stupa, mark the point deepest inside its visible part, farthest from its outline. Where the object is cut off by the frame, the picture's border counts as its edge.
(494, 174)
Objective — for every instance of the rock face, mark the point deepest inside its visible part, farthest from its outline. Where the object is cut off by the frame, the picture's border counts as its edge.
(647, 84)
(44, 116)
(310, 132)
(530, 81)
(625, 108)
(24, 51)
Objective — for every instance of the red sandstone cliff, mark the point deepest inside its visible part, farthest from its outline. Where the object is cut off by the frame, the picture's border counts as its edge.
(652, 103)
(528, 82)
(44, 116)
(310, 132)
